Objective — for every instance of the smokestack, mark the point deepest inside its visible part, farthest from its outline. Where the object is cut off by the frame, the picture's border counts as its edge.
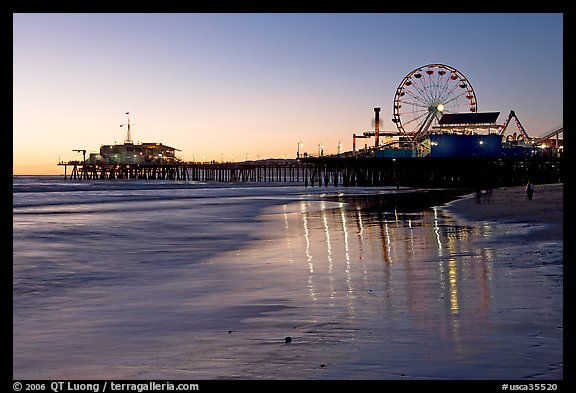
(377, 126)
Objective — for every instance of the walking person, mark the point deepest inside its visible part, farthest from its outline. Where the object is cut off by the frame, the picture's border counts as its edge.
(488, 195)
(478, 195)
(529, 190)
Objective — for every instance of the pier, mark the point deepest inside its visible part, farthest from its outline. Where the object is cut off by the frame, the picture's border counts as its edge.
(226, 172)
(436, 145)
(337, 171)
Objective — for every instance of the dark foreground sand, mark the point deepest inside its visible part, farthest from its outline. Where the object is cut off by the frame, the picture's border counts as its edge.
(510, 205)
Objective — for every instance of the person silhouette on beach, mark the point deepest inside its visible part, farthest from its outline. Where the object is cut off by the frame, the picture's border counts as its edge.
(478, 195)
(488, 195)
(529, 190)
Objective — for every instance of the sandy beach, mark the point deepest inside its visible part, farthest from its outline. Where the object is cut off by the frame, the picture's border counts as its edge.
(510, 205)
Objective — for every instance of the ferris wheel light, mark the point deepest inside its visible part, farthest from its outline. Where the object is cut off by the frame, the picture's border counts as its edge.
(440, 107)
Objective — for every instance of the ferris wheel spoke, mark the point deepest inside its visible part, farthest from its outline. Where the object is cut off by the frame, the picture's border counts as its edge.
(452, 82)
(422, 86)
(447, 89)
(417, 98)
(443, 80)
(434, 88)
(449, 93)
(416, 104)
(453, 99)
(436, 93)
(442, 90)
(438, 89)
(424, 92)
(431, 89)
(416, 119)
(413, 113)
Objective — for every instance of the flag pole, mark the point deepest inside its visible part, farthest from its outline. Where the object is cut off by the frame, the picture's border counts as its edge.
(128, 136)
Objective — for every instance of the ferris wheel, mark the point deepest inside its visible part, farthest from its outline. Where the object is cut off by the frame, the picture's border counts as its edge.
(428, 92)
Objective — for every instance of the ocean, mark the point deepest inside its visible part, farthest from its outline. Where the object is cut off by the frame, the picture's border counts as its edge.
(129, 279)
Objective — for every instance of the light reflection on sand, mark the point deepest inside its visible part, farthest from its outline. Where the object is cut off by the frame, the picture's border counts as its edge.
(340, 265)
(417, 278)
(367, 294)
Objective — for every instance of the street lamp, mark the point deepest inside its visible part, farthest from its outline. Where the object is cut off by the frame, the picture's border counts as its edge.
(298, 152)
(320, 150)
(396, 175)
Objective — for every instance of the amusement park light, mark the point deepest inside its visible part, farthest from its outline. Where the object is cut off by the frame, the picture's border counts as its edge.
(440, 107)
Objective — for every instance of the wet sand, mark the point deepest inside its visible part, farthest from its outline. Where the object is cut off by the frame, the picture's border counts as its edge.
(458, 292)
(389, 295)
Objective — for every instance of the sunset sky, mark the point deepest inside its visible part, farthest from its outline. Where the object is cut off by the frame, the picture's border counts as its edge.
(254, 85)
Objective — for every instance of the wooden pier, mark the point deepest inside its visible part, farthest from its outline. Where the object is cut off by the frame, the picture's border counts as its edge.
(289, 171)
(337, 171)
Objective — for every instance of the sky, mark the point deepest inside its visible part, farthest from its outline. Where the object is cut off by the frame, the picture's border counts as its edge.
(237, 86)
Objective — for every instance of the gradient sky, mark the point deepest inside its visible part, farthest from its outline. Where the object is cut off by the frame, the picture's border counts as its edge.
(253, 85)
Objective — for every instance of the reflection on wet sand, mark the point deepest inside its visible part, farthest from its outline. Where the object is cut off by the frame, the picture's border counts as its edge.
(415, 294)
(414, 263)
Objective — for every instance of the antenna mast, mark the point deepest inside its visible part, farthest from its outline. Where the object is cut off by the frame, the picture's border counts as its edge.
(128, 136)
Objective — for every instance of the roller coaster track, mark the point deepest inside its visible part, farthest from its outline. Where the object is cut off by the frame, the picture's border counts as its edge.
(522, 131)
(417, 143)
(549, 135)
